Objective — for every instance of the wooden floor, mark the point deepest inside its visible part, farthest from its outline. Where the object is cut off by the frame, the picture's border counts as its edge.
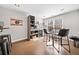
(38, 47)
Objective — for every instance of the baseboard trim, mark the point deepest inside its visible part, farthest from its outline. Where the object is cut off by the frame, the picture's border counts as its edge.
(18, 40)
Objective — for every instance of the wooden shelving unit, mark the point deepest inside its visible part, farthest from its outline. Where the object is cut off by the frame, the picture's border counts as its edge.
(31, 27)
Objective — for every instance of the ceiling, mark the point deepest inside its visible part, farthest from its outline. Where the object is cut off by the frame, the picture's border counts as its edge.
(43, 10)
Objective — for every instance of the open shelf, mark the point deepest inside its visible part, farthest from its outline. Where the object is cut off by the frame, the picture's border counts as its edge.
(1, 29)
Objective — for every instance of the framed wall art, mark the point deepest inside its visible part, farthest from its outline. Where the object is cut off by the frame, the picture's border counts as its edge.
(16, 22)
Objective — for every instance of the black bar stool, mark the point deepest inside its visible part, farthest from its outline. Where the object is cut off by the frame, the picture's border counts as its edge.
(47, 36)
(62, 33)
(3, 45)
(7, 37)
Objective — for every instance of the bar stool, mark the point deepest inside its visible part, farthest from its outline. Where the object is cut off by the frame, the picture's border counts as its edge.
(47, 36)
(7, 37)
(62, 33)
(3, 46)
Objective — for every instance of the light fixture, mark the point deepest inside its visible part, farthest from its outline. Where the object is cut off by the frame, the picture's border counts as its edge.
(43, 16)
(62, 9)
(17, 5)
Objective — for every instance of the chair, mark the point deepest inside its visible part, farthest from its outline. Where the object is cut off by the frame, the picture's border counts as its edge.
(47, 35)
(62, 33)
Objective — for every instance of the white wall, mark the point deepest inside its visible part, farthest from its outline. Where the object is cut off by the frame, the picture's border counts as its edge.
(17, 32)
(71, 21)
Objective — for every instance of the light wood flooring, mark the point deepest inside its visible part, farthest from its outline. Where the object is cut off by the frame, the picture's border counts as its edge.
(38, 47)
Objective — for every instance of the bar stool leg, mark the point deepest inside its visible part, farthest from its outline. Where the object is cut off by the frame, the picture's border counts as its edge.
(52, 40)
(9, 45)
(68, 44)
